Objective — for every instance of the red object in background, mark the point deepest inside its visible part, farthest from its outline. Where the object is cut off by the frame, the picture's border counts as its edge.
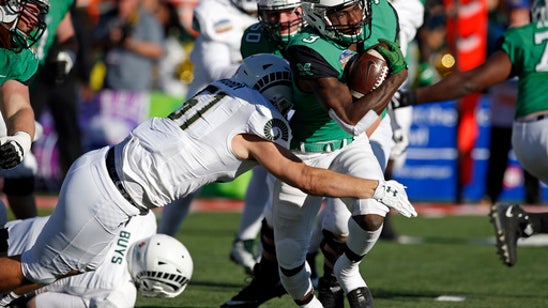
(467, 39)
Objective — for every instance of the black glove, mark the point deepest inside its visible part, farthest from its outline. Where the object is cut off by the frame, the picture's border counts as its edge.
(403, 98)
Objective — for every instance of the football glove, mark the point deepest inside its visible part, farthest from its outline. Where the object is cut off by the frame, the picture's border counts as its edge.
(393, 55)
(13, 149)
(393, 195)
(403, 98)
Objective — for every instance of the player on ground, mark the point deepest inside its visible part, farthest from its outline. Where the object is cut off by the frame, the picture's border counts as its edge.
(226, 129)
(522, 52)
(136, 249)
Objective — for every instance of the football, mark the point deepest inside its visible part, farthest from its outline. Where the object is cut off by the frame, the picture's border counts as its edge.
(366, 72)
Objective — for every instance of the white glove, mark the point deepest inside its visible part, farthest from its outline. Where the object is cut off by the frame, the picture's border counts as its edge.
(13, 149)
(400, 143)
(393, 195)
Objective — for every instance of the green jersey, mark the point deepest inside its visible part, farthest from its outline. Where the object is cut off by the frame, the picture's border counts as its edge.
(19, 66)
(57, 11)
(526, 46)
(255, 40)
(311, 57)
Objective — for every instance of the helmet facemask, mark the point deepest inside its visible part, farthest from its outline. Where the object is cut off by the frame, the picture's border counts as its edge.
(334, 21)
(160, 266)
(25, 20)
(281, 22)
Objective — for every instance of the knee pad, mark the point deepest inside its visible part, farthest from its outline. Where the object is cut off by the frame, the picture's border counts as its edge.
(294, 280)
(290, 253)
(23, 186)
(332, 247)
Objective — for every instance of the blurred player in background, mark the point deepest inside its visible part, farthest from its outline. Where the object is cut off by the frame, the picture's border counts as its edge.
(410, 19)
(237, 122)
(136, 249)
(521, 52)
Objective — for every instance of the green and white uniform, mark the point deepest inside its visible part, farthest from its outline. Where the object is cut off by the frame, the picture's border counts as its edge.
(255, 40)
(20, 66)
(528, 50)
(320, 142)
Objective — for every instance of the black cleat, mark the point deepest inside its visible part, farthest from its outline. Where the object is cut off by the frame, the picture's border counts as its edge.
(262, 288)
(360, 298)
(510, 223)
(330, 293)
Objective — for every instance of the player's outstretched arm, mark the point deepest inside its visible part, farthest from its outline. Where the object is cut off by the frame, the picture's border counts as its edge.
(317, 181)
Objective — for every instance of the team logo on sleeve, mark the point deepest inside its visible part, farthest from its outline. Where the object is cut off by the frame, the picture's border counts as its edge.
(276, 129)
(305, 69)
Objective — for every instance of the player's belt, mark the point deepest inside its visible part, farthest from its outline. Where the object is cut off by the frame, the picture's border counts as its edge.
(324, 146)
(534, 118)
(113, 174)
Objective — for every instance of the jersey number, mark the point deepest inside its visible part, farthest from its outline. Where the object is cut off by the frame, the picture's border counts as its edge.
(215, 98)
(540, 37)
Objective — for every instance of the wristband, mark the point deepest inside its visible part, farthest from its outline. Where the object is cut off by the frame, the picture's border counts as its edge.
(23, 138)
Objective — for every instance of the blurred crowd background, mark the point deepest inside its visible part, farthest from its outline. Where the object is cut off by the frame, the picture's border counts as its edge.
(119, 84)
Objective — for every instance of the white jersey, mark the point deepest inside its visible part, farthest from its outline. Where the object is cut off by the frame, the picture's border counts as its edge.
(216, 52)
(410, 19)
(165, 159)
(111, 283)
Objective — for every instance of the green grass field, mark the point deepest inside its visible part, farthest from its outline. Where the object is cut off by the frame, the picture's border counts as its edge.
(452, 256)
(456, 257)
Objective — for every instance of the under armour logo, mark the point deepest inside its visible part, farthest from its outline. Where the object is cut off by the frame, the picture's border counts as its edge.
(389, 190)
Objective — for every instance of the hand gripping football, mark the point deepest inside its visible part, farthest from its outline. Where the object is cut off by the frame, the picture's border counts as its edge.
(367, 72)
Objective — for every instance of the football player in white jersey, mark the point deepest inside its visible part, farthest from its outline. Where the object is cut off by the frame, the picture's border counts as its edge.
(225, 130)
(115, 283)
(216, 51)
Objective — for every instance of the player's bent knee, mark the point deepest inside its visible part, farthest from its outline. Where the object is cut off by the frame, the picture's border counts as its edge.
(371, 222)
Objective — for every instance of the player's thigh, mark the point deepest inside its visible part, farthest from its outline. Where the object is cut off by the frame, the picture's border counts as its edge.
(530, 143)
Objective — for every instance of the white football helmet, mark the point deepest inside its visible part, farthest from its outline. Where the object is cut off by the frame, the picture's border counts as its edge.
(270, 75)
(248, 6)
(30, 12)
(539, 10)
(269, 10)
(160, 266)
(316, 15)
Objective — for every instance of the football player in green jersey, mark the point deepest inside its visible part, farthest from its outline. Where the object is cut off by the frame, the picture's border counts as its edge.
(331, 129)
(22, 25)
(279, 21)
(522, 52)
